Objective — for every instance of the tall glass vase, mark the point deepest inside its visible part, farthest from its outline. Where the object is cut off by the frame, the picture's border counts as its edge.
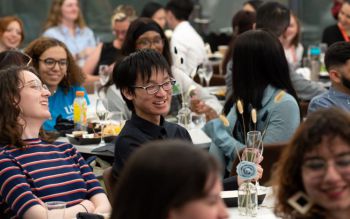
(247, 199)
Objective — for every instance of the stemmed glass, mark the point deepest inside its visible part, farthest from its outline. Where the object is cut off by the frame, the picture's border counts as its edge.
(103, 72)
(102, 114)
(201, 72)
(208, 72)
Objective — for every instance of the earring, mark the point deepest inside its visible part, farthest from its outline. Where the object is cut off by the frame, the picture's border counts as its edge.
(300, 202)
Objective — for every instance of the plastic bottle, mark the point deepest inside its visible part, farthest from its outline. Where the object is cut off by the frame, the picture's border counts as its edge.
(79, 111)
(315, 62)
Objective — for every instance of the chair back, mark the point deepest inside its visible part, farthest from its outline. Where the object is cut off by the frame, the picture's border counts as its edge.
(271, 155)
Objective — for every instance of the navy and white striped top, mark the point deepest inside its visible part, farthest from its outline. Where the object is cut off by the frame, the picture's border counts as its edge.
(43, 172)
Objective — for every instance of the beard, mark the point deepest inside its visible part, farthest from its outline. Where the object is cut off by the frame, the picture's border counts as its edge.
(345, 82)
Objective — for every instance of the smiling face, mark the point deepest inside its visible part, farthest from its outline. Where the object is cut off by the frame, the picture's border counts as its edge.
(209, 207)
(292, 29)
(70, 10)
(151, 106)
(12, 37)
(344, 16)
(326, 175)
(52, 76)
(150, 40)
(120, 28)
(160, 17)
(34, 99)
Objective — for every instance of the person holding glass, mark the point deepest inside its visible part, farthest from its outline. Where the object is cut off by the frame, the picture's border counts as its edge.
(11, 33)
(312, 176)
(34, 171)
(58, 70)
(65, 22)
(261, 83)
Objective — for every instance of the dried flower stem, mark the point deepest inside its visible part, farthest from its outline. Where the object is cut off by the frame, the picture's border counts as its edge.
(241, 111)
(254, 117)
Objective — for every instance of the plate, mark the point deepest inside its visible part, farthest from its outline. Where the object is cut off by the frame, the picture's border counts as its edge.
(231, 198)
(85, 141)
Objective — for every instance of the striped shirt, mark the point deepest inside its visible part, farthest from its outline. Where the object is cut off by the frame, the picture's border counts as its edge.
(43, 172)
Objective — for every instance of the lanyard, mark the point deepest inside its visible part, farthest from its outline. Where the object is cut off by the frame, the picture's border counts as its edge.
(343, 33)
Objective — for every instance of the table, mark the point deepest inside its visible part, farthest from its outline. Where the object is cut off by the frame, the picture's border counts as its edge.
(199, 139)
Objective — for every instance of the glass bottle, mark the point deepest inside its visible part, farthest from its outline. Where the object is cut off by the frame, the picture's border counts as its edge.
(247, 199)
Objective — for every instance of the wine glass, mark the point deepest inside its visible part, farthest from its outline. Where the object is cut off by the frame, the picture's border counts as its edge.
(201, 73)
(208, 72)
(117, 119)
(102, 114)
(103, 72)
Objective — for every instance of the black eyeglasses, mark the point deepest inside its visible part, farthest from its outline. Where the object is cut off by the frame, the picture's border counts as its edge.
(147, 43)
(50, 62)
(154, 88)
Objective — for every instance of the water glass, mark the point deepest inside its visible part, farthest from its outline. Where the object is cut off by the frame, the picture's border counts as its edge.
(103, 72)
(55, 209)
(208, 72)
(198, 120)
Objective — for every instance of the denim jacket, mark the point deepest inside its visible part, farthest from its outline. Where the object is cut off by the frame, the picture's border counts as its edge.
(279, 116)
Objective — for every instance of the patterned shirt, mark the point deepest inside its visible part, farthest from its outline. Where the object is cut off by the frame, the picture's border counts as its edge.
(42, 172)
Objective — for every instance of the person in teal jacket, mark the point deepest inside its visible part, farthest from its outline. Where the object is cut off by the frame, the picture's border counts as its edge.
(260, 81)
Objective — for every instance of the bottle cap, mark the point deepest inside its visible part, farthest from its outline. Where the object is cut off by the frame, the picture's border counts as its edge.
(79, 93)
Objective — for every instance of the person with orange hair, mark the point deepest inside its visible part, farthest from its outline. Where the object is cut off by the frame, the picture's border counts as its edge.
(11, 32)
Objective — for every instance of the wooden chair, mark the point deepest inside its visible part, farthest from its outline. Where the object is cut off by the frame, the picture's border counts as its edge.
(304, 105)
(271, 155)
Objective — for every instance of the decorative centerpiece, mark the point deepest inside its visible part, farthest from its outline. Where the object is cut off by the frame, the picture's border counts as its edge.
(247, 169)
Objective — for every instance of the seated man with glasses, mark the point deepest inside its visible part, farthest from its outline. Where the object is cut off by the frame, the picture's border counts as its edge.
(146, 82)
(58, 70)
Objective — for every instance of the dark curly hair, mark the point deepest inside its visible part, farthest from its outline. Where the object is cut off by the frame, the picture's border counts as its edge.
(322, 125)
(10, 83)
(74, 74)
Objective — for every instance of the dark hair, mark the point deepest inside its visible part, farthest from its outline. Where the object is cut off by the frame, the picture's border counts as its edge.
(274, 17)
(141, 63)
(322, 125)
(150, 9)
(181, 9)
(10, 82)
(258, 61)
(241, 22)
(296, 38)
(147, 191)
(13, 57)
(74, 74)
(5, 21)
(254, 3)
(139, 26)
(337, 54)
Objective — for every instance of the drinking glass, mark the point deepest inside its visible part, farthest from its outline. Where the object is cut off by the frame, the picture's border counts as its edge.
(102, 114)
(255, 144)
(201, 73)
(103, 73)
(55, 209)
(208, 72)
(117, 119)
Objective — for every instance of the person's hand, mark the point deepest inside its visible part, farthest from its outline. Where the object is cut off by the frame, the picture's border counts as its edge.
(199, 107)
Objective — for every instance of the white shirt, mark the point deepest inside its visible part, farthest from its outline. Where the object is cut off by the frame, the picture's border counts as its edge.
(189, 46)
